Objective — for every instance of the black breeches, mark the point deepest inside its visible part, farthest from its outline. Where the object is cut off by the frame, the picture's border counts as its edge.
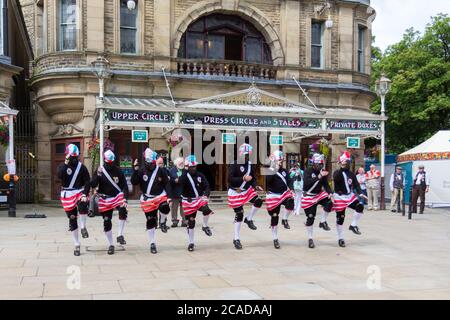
(340, 218)
(311, 212)
(123, 213)
(274, 216)
(239, 216)
(257, 202)
(164, 208)
(356, 205)
(73, 223)
(152, 219)
(83, 207)
(205, 210)
(107, 220)
(191, 220)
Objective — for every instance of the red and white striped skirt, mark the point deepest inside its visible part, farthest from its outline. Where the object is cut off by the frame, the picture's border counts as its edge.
(106, 204)
(152, 204)
(193, 206)
(309, 201)
(69, 199)
(273, 200)
(342, 202)
(238, 199)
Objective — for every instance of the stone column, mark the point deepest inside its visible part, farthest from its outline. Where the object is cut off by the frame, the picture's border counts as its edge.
(43, 154)
(346, 42)
(95, 25)
(162, 33)
(290, 36)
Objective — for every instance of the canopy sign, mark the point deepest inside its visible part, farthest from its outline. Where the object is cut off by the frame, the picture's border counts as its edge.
(249, 121)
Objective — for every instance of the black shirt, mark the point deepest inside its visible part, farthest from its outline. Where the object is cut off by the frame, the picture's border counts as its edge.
(236, 173)
(105, 187)
(275, 183)
(66, 172)
(339, 182)
(310, 177)
(200, 182)
(142, 177)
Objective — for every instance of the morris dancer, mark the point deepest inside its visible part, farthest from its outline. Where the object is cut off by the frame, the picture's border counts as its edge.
(316, 191)
(344, 183)
(153, 181)
(278, 193)
(74, 194)
(242, 185)
(195, 192)
(113, 194)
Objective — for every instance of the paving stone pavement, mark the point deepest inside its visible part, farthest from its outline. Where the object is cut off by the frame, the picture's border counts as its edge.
(411, 259)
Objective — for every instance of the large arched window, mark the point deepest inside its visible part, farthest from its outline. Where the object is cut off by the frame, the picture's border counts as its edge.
(224, 37)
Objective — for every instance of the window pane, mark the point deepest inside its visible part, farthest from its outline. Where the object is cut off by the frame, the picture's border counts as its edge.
(316, 57)
(60, 148)
(316, 33)
(68, 11)
(195, 45)
(128, 40)
(253, 50)
(127, 17)
(216, 47)
(197, 25)
(267, 54)
(69, 37)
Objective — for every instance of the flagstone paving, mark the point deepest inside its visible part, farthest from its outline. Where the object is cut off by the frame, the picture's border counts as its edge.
(411, 260)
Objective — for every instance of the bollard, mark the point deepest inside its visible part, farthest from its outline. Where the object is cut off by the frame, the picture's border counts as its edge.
(410, 204)
(403, 202)
(398, 200)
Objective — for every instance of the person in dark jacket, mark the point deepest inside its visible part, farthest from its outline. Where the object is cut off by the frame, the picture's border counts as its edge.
(241, 190)
(175, 188)
(316, 191)
(279, 193)
(75, 193)
(195, 191)
(113, 194)
(154, 184)
(345, 182)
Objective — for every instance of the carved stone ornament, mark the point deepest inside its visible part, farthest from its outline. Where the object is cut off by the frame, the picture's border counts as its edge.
(66, 130)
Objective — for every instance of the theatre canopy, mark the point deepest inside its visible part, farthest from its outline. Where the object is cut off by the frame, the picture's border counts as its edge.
(250, 109)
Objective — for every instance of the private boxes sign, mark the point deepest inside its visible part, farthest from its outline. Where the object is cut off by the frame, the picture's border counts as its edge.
(140, 136)
(353, 143)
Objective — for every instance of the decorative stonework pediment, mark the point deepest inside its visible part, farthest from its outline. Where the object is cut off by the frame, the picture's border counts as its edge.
(256, 98)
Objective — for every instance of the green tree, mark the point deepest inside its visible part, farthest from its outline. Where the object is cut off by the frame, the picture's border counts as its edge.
(418, 104)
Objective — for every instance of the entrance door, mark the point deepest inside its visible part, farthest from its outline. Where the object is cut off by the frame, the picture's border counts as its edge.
(58, 157)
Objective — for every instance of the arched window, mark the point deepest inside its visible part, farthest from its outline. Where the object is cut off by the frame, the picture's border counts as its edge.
(224, 37)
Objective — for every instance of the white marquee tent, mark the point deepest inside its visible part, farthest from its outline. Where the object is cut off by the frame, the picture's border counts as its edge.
(434, 154)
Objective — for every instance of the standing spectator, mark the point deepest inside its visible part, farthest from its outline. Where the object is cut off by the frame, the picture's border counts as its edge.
(421, 186)
(373, 185)
(361, 177)
(397, 185)
(297, 178)
(175, 173)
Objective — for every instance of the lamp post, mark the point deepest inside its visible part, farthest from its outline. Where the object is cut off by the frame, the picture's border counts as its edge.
(383, 86)
(102, 71)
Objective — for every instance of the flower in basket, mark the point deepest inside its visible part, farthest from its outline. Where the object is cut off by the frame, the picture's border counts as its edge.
(4, 135)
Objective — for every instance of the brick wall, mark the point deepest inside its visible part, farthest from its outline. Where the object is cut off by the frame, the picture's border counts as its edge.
(148, 26)
(28, 15)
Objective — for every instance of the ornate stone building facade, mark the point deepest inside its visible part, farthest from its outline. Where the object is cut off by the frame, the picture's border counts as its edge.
(207, 48)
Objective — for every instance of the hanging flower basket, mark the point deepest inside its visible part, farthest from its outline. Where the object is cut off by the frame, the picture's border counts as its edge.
(94, 149)
(4, 135)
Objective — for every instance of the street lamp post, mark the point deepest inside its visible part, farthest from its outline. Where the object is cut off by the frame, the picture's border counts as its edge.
(102, 71)
(383, 86)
